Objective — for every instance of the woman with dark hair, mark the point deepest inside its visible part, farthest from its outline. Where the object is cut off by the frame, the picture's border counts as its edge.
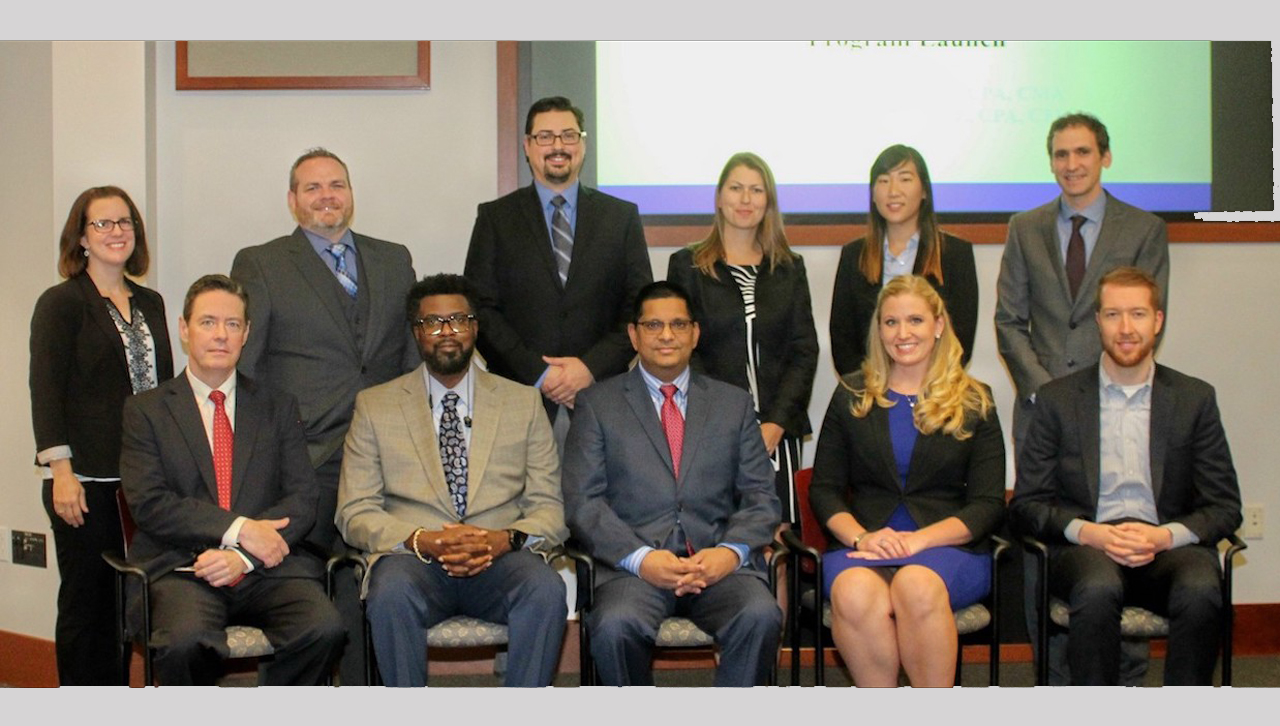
(750, 297)
(96, 338)
(909, 481)
(903, 238)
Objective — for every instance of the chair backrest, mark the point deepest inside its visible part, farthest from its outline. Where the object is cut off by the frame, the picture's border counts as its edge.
(811, 531)
(127, 527)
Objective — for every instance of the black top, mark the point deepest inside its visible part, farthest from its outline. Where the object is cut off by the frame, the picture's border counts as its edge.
(853, 301)
(80, 374)
(784, 335)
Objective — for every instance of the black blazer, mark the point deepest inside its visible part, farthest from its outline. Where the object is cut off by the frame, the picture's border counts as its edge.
(1192, 476)
(525, 313)
(783, 330)
(853, 301)
(166, 472)
(80, 374)
(855, 471)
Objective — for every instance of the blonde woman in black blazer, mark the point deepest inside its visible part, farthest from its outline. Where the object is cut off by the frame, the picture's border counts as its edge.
(901, 206)
(750, 296)
(82, 370)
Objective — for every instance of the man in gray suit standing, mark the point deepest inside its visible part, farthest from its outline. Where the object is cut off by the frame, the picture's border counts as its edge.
(1056, 254)
(327, 306)
(1054, 257)
(668, 486)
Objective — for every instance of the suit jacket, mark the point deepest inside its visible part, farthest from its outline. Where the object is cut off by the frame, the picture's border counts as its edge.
(393, 480)
(524, 311)
(783, 333)
(299, 337)
(1192, 476)
(620, 490)
(80, 373)
(855, 471)
(853, 300)
(1040, 332)
(166, 471)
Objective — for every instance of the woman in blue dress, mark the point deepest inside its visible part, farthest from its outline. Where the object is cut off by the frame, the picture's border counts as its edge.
(909, 482)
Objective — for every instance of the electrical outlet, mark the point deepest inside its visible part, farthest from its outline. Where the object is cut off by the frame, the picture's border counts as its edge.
(6, 549)
(29, 549)
(1254, 522)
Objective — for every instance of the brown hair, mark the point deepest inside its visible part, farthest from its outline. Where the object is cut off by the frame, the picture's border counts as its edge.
(71, 257)
(770, 234)
(871, 263)
(210, 283)
(1088, 121)
(1129, 277)
(318, 152)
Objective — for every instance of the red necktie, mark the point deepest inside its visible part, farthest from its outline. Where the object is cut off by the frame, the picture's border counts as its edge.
(223, 442)
(673, 426)
(1075, 256)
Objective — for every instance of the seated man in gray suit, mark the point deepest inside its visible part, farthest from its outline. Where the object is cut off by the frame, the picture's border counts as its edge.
(450, 482)
(214, 468)
(1127, 475)
(668, 486)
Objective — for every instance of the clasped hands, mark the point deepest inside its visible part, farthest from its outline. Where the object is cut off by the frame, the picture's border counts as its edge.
(1130, 544)
(565, 377)
(888, 544)
(463, 550)
(688, 575)
(259, 537)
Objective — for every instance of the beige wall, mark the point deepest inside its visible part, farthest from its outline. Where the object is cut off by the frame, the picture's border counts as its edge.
(214, 165)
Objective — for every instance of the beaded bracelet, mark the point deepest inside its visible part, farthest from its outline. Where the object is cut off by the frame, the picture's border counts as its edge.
(425, 560)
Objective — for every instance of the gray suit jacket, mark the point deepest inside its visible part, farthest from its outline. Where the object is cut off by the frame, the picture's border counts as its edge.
(393, 480)
(619, 486)
(299, 337)
(1041, 333)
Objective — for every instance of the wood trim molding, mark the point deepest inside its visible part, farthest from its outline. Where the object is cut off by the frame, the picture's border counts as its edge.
(508, 116)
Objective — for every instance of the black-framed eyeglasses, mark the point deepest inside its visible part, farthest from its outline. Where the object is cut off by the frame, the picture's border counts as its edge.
(107, 225)
(568, 138)
(655, 327)
(434, 324)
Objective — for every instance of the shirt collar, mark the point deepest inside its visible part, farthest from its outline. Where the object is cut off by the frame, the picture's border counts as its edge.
(655, 386)
(913, 245)
(1105, 382)
(202, 389)
(322, 244)
(436, 390)
(1094, 212)
(570, 195)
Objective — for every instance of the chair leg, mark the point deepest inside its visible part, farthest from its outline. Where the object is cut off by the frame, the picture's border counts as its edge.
(959, 663)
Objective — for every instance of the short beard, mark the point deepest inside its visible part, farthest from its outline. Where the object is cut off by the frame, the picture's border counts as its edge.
(448, 364)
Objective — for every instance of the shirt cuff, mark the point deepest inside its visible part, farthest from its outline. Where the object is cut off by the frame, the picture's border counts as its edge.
(538, 383)
(740, 550)
(631, 563)
(1182, 536)
(532, 541)
(1072, 532)
(231, 538)
(54, 453)
(248, 564)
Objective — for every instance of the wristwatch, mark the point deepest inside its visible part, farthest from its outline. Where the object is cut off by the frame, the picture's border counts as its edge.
(516, 539)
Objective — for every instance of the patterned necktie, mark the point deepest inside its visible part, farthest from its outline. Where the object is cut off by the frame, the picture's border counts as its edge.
(561, 238)
(223, 443)
(672, 426)
(339, 252)
(1075, 256)
(453, 453)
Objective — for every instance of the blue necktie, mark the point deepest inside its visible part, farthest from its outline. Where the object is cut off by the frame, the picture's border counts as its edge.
(453, 453)
(561, 238)
(339, 252)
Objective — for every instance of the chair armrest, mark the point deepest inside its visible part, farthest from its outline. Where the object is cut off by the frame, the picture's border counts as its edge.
(122, 566)
(354, 559)
(585, 568)
(776, 554)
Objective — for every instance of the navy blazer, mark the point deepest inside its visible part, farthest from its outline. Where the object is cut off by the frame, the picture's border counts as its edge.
(783, 334)
(853, 300)
(524, 311)
(80, 374)
(1192, 477)
(855, 471)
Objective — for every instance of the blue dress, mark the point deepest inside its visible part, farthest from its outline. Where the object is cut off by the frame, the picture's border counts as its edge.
(967, 575)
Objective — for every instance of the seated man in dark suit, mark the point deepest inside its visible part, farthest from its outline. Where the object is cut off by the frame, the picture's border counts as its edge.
(1127, 475)
(451, 483)
(668, 486)
(214, 468)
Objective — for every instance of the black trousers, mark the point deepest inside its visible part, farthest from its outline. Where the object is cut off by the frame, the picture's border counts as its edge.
(1182, 584)
(324, 540)
(85, 637)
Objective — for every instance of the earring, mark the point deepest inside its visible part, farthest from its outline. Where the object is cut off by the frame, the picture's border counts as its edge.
(938, 336)
(84, 251)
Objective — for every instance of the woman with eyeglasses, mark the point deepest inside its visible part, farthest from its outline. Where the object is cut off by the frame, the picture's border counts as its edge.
(903, 238)
(908, 481)
(750, 296)
(96, 338)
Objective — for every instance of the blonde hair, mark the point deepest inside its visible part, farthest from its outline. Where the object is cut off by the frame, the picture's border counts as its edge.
(770, 234)
(950, 399)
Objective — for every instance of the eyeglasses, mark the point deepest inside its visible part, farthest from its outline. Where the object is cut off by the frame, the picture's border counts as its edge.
(679, 326)
(568, 138)
(106, 225)
(434, 324)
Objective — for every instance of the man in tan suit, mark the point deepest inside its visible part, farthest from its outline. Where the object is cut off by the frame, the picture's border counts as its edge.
(451, 483)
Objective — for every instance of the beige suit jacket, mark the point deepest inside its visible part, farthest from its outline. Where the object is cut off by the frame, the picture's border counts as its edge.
(393, 481)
